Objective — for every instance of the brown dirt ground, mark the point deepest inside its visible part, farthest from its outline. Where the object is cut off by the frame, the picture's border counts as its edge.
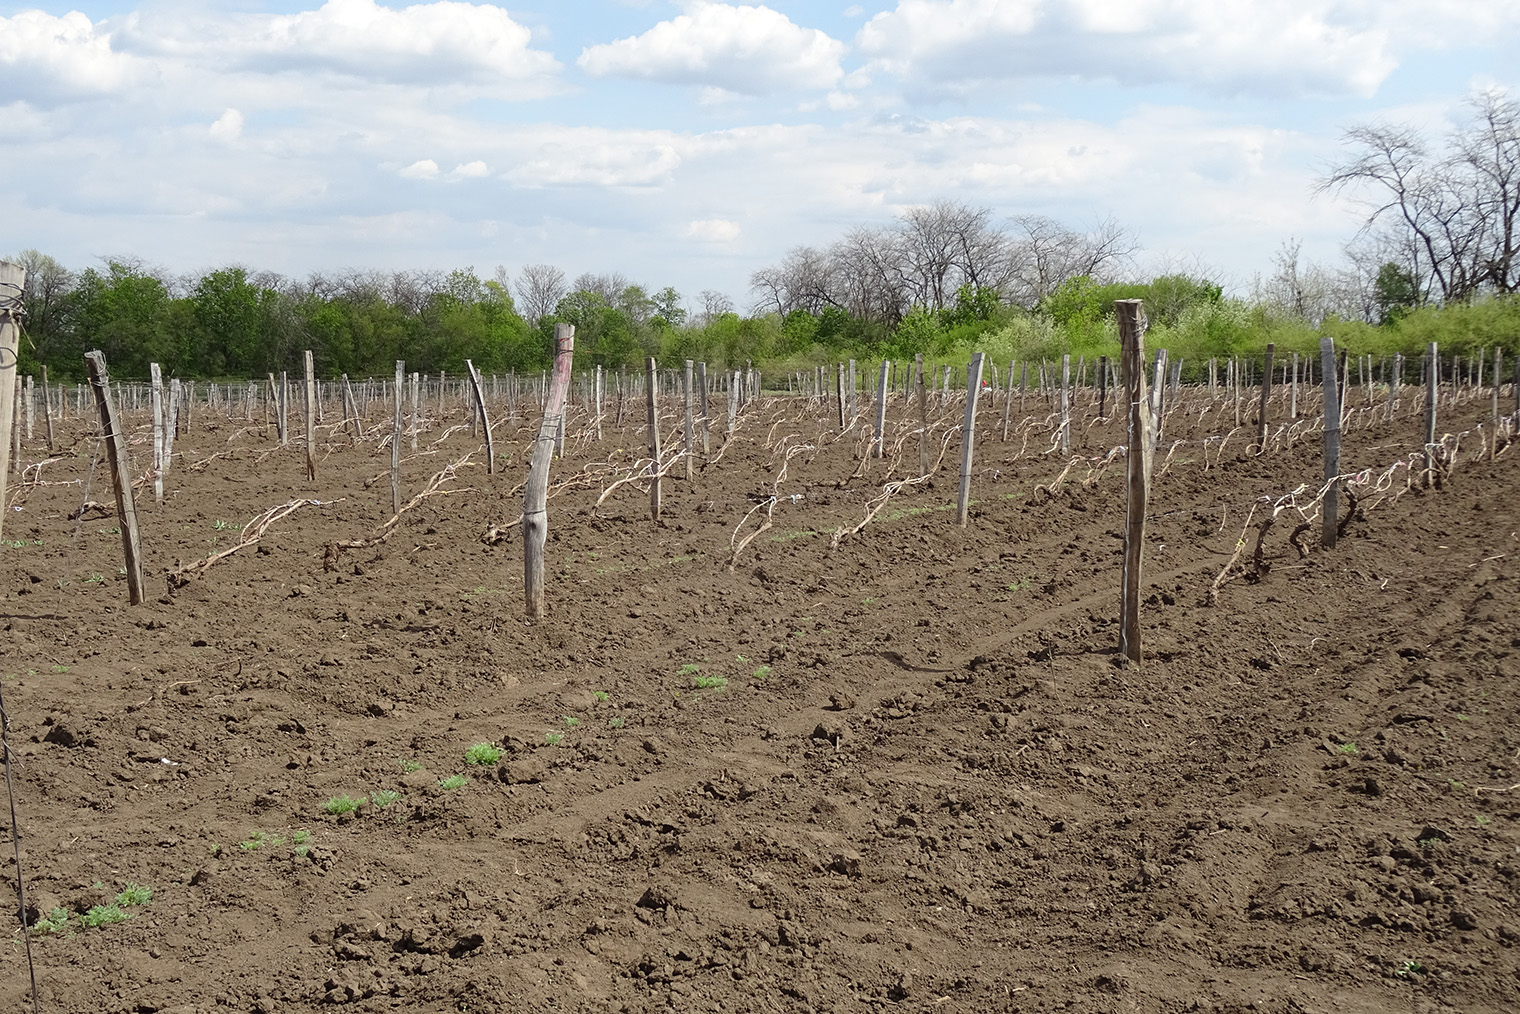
(926, 785)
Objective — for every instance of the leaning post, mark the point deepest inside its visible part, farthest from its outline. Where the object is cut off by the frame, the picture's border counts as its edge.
(1132, 324)
(536, 493)
(116, 450)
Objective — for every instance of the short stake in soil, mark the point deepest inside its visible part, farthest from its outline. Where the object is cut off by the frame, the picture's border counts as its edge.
(536, 494)
(1132, 322)
(1331, 505)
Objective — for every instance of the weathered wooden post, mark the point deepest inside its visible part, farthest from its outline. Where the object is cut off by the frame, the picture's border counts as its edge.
(1065, 403)
(968, 438)
(311, 418)
(284, 425)
(706, 421)
(1432, 396)
(1331, 507)
(116, 450)
(922, 394)
(396, 438)
(12, 284)
(156, 396)
(654, 437)
(1132, 324)
(536, 492)
(1493, 445)
(1102, 387)
(688, 432)
(1266, 397)
(47, 406)
(878, 445)
(839, 393)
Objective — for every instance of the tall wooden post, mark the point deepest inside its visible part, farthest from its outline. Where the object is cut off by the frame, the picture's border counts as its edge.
(116, 450)
(12, 284)
(878, 446)
(1331, 508)
(156, 399)
(1132, 324)
(922, 394)
(1065, 403)
(47, 405)
(706, 421)
(1432, 397)
(396, 438)
(536, 493)
(688, 433)
(654, 436)
(1266, 397)
(311, 418)
(1102, 387)
(968, 438)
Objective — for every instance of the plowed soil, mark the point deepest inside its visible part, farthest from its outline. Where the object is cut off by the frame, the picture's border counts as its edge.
(907, 772)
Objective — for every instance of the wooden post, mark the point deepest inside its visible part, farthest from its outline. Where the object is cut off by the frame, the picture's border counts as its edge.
(12, 284)
(485, 420)
(31, 405)
(1432, 396)
(1266, 395)
(1065, 402)
(350, 409)
(688, 433)
(47, 406)
(1102, 387)
(922, 394)
(156, 396)
(968, 438)
(878, 447)
(1493, 444)
(654, 435)
(311, 418)
(1132, 323)
(396, 438)
(733, 403)
(536, 493)
(599, 398)
(1007, 402)
(116, 450)
(284, 408)
(839, 393)
(706, 421)
(1331, 507)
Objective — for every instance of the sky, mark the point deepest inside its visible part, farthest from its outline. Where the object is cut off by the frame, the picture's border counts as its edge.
(690, 144)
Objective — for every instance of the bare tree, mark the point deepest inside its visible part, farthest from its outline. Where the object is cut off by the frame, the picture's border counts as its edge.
(1456, 211)
(714, 305)
(540, 287)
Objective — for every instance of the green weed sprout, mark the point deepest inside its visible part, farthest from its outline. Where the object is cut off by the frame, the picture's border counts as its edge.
(761, 673)
(615, 723)
(339, 805)
(689, 669)
(571, 721)
(103, 915)
(710, 682)
(483, 754)
(55, 921)
(554, 738)
(602, 696)
(1410, 967)
(134, 894)
(453, 782)
(1347, 748)
(409, 765)
(300, 837)
(257, 840)
(381, 798)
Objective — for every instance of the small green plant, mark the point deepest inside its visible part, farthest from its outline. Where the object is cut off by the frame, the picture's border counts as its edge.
(408, 765)
(339, 805)
(689, 669)
(133, 895)
(381, 798)
(483, 754)
(55, 921)
(300, 837)
(301, 851)
(1481, 820)
(571, 721)
(95, 579)
(255, 841)
(615, 723)
(710, 682)
(113, 530)
(1347, 748)
(223, 526)
(741, 658)
(1461, 718)
(453, 782)
(554, 738)
(58, 668)
(1020, 585)
(603, 696)
(1410, 967)
(103, 915)
(762, 673)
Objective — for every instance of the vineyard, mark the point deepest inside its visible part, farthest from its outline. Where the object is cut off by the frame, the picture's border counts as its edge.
(803, 742)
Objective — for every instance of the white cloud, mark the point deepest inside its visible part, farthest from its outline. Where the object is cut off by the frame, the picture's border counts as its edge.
(424, 169)
(470, 170)
(443, 43)
(1277, 47)
(228, 127)
(46, 59)
(713, 230)
(595, 157)
(744, 49)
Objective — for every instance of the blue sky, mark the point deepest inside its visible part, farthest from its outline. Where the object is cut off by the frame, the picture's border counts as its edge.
(689, 144)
